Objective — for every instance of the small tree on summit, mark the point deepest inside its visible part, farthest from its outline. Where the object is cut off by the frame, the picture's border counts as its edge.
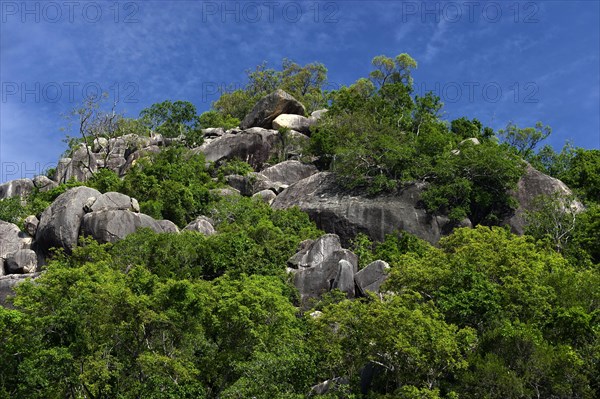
(174, 119)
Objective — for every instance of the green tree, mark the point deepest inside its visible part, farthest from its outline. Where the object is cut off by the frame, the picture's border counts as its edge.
(524, 140)
(215, 119)
(174, 119)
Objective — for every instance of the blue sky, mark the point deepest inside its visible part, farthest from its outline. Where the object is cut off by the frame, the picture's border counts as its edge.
(497, 61)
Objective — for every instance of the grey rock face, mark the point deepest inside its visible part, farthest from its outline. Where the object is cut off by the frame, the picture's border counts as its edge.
(60, 222)
(31, 225)
(16, 188)
(203, 225)
(336, 211)
(266, 195)
(250, 184)
(372, 277)
(254, 146)
(298, 123)
(44, 183)
(321, 266)
(318, 114)
(531, 185)
(270, 107)
(114, 201)
(81, 166)
(315, 252)
(344, 280)
(22, 261)
(213, 132)
(115, 224)
(11, 239)
(289, 172)
(168, 226)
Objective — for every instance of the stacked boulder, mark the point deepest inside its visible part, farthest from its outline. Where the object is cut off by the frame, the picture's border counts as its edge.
(336, 210)
(271, 181)
(323, 265)
(107, 217)
(23, 187)
(16, 256)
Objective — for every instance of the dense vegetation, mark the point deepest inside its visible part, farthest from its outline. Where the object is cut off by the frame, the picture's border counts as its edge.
(485, 314)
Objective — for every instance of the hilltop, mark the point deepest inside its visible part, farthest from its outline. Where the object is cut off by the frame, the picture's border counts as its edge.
(293, 242)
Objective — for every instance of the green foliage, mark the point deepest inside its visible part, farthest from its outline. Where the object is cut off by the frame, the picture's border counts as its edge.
(105, 180)
(552, 218)
(305, 83)
(174, 119)
(390, 71)
(516, 295)
(391, 249)
(216, 119)
(474, 183)
(233, 167)
(407, 343)
(484, 314)
(583, 174)
(12, 211)
(378, 138)
(173, 184)
(253, 239)
(524, 140)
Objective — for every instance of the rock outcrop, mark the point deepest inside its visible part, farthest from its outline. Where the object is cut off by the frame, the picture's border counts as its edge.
(15, 253)
(270, 107)
(298, 123)
(113, 201)
(531, 185)
(203, 225)
(254, 146)
(336, 211)
(115, 224)
(372, 277)
(18, 187)
(323, 265)
(289, 172)
(60, 222)
(22, 261)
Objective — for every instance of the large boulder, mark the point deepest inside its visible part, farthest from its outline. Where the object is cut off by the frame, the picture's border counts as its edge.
(266, 196)
(318, 114)
(270, 107)
(250, 184)
(254, 146)
(113, 201)
(115, 224)
(22, 261)
(134, 157)
(371, 277)
(82, 164)
(16, 188)
(203, 225)
(337, 211)
(31, 225)
(298, 123)
(60, 222)
(44, 183)
(323, 265)
(289, 172)
(11, 239)
(313, 253)
(533, 184)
